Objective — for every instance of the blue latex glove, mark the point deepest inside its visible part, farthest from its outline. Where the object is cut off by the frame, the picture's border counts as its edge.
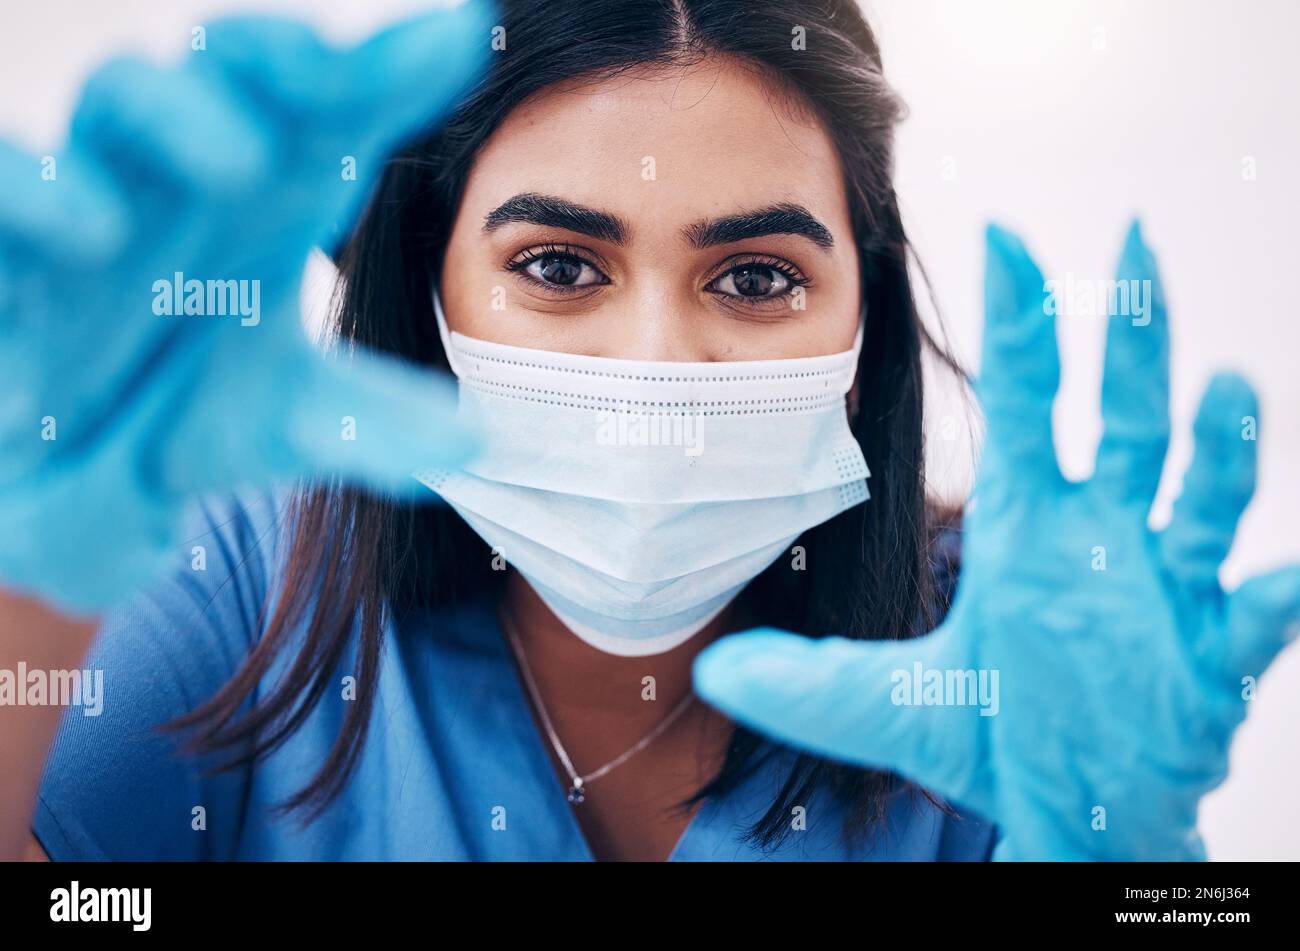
(229, 167)
(1119, 689)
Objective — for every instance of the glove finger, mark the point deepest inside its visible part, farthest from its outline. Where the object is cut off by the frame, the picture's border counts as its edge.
(1263, 617)
(1135, 385)
(379, 92)
(66, 210)
(1218, 486)
(1020, 366)
(852, 701)
(374, 420)
(150, 126)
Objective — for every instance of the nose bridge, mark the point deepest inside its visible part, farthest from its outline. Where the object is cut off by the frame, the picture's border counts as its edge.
(653, 325)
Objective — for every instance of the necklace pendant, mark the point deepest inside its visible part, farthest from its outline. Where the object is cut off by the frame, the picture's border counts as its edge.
(576, 795)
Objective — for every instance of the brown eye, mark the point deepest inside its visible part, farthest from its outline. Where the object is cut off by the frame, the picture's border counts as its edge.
(557, 269)
(753, 281)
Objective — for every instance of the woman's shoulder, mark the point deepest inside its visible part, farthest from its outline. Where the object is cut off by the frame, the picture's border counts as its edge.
(222, 571)
(945, 543)
(163, 651)
(235, 538)
(251, 520)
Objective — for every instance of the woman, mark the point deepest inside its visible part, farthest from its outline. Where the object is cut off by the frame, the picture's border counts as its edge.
(658, 245)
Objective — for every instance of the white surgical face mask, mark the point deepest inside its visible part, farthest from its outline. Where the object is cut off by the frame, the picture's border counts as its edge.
(638, 498)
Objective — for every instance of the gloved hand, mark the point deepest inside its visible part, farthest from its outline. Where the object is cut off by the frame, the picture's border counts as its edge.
(116, 407)
(1119, 682)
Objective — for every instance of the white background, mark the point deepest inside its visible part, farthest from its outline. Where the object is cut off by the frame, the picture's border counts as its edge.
(1061, 119)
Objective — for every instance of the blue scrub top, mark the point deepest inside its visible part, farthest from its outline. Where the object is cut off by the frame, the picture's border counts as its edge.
(453, 766)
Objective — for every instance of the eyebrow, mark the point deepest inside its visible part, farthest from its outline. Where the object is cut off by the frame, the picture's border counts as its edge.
(551, 211)
(784, 218)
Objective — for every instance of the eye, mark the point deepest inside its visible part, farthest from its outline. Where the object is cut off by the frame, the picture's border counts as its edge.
(757, 280)
(557, 268)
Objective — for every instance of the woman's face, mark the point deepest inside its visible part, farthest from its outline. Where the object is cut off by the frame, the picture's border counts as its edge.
(685, 214)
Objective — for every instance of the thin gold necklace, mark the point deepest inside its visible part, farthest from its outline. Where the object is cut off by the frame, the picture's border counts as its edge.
(578, 782)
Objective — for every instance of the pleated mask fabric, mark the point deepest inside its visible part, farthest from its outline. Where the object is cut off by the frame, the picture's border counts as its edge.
(637, 497)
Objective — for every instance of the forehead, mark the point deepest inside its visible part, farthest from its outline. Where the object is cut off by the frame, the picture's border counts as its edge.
(664, 145)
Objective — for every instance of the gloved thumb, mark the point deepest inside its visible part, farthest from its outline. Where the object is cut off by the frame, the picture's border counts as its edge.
(372, 419)
(855, 701)
(380, 91)
(1263, 617)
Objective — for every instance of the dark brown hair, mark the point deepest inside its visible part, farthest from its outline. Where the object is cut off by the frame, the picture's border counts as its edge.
(357, 562)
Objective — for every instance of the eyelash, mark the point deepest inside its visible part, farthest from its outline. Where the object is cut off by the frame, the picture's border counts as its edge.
(792, 274)
(563, 252)
(519, 265)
